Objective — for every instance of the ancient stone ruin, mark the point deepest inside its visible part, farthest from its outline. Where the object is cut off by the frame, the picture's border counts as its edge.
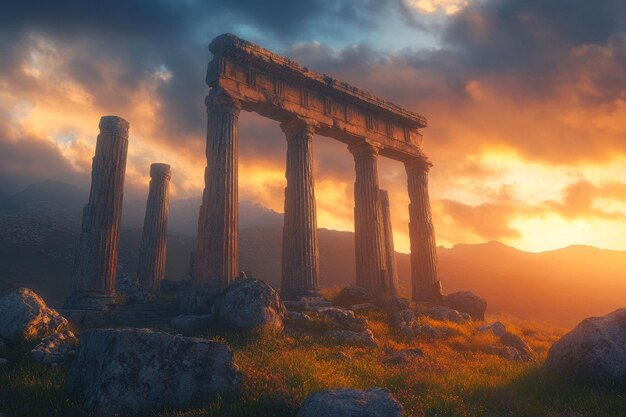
(96, 260)
(245, 76)
(151, 269)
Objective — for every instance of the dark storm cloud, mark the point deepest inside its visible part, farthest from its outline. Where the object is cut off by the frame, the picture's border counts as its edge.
(531, 36)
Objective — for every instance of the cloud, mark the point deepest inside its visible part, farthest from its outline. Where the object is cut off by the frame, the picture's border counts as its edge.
(507, 87)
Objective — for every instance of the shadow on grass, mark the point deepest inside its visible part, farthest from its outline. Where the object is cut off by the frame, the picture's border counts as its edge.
(537, 392)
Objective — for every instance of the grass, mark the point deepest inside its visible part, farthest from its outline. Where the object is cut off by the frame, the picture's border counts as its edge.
(456, 377)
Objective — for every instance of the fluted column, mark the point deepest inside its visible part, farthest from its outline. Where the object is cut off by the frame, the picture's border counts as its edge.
(300, 273)
(371, 262)
(425, 282)
(392, 273)
(96, 259)
(152, 251)
(216, 256)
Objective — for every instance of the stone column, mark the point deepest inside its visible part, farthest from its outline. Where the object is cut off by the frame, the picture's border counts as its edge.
(300, 274)
(96, 259)
(425, 282)
(392, 272)
(371, 262)
(216, 256)
(151, 267)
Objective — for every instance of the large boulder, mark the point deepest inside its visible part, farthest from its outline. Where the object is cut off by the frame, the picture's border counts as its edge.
(468, 302)
(133, 370)
(596, 348)
(57, 349)
(248, 303)
(374, 402)
(352, 295)
(24, 315)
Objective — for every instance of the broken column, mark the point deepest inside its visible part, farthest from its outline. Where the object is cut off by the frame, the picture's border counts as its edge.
(216, 256)
(425, 282)
(96, 259)
(392, 272)
(152, 251)
(300, 274)
(371, 262)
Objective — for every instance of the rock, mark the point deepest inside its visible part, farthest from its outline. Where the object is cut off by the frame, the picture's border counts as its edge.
(446, 314)
(195, 301)
(495, 328)
(57, 349)
(595, 348)
(2, 344)
(516, 342)
(506, 352)
(192, 323)
(134, 370)
(375, 402)
(398, 304)
(348, 337)
(349, 296)
(403, 356)
(128, 285)
(248, 303)
(468, 302)
(406, 322)
(24, 315)
(298, 319)
(342, 319)
(362, 307)
(403, 318)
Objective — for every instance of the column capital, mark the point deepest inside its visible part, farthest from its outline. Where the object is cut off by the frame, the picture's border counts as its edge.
(299, 126)
(364, 148)
(114, 125)
(419, 165)
(219, 99)
(159, 170)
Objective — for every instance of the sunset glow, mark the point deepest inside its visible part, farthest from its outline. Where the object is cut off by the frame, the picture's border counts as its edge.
(529, 148)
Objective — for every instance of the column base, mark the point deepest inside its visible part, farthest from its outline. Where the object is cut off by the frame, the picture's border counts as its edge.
(89, 300)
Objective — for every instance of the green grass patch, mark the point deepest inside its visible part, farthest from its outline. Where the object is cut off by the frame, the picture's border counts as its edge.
(456, 377)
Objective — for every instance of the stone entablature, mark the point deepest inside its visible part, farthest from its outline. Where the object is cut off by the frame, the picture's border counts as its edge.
(279, 88)
(244, 76)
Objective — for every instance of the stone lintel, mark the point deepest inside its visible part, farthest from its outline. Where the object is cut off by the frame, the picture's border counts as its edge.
(279, 88)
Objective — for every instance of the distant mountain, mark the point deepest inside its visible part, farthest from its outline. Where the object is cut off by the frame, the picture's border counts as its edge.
(46, 195)
(39, 231)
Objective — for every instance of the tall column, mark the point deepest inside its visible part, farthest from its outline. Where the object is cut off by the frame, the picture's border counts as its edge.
(216, 256)
(392, 272)
(371, 262)
(152, 251)
(300, 274)
(96, 259)
(425, 282)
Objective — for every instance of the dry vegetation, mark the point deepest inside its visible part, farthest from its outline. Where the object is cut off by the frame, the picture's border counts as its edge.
(456, 377)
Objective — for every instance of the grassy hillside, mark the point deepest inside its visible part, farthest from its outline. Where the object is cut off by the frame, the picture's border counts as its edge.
(456, 377)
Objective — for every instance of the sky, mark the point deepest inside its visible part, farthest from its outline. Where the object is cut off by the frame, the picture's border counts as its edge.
(525, 101)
